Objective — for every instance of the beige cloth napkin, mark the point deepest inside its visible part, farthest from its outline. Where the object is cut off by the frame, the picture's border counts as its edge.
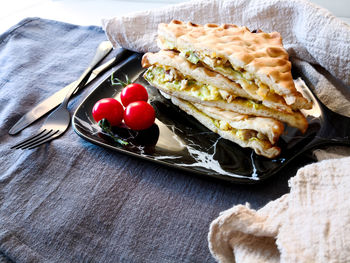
(309, 32)
(311, 223)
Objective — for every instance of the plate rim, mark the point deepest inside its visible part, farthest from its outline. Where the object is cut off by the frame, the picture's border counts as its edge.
(239, 179)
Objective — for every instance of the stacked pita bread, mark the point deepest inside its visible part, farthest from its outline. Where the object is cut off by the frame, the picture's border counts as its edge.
(235, 82)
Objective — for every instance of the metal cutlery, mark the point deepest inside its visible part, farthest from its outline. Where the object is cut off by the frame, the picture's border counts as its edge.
(58, 121)
(54, 100)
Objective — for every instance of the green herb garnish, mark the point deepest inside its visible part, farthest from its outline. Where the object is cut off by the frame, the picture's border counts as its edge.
(115, 81)
(107, 128)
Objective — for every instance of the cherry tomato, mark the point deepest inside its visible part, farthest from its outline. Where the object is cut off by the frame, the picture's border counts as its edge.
(139, 115)
(133, 92)
(109, 109)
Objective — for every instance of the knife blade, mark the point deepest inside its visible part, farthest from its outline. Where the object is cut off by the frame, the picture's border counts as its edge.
(54, 100)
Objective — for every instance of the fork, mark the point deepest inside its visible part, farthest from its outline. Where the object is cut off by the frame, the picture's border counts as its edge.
(58, 121)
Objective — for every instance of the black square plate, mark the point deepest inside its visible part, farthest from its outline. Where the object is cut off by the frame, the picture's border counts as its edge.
(178, 140)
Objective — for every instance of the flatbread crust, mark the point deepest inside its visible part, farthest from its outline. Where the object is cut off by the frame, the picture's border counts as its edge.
(239, 105)
(260, 54)
(269, 127)
(261, 147)
(204, 75)
(235, 82)
(201, 74)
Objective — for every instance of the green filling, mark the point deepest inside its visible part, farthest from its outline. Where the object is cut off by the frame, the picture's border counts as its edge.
(254, 104)
(236, 132)
(158, 76)
(190, 56)
(242, 77)
(193, 58)
(229, 71)
(169, 45)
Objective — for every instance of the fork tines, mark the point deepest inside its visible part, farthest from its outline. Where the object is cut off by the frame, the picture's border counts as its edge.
(36, 140)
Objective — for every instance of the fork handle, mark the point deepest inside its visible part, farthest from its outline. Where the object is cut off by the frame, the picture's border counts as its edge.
(102, 51)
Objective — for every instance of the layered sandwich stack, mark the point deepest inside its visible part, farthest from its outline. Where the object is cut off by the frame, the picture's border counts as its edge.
(235, 82)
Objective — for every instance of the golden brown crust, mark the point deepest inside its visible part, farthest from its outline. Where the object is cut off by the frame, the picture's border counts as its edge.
(271, 128)
(205, 75)
(261, 147)
(245, 103)
(242, 106)
(145, 62)
(201, 74)
(261, 54)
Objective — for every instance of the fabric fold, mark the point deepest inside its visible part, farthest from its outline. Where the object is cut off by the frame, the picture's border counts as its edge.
(310, 224)
(241, 234)
(16, 250)
(310, 33)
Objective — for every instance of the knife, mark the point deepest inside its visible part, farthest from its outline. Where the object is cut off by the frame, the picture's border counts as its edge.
(54, 100)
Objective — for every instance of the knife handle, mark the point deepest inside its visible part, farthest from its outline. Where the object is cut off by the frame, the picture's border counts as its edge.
(102, 51)
(119, 56)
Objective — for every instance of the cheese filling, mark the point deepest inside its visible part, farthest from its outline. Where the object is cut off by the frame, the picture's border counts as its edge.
(245, 135)
(254, 87)
(223, 66)
(173, 80)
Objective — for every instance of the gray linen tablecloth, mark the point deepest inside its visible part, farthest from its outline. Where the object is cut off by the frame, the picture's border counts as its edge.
(71, 201)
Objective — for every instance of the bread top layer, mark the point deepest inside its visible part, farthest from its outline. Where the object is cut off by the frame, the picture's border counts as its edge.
(260, 54)
(204, 75)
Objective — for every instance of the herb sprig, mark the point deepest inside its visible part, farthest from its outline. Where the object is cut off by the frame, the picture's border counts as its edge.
(107, 128)
(115, 81)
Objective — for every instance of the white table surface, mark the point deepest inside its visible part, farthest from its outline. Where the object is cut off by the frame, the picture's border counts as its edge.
(90, 12)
